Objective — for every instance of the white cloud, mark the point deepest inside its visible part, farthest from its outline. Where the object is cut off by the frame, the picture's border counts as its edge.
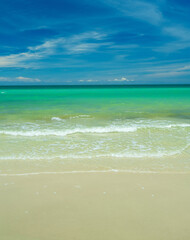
(124, 46)
(172, 47)
(181, 39)
(19, 79)
(2, 79)
(83, 47)
(169, 74)
(187, 67)
(27, 79)
(122, 79)
(150, 12)
(80, 43)
(143, 10)
(88, 80)
(72, 45)
(170, 71)
(19, 60)
(178, 32)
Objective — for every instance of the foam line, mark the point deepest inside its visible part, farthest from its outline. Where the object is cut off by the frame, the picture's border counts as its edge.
(60, 133)
(95, 130)
(88, 171)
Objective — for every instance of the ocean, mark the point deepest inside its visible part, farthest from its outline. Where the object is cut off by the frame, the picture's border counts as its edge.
(94, 128)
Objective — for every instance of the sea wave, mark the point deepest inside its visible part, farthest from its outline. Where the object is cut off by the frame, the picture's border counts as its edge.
(34, 133)
(56, 119)
(183, 125)
(93, 130)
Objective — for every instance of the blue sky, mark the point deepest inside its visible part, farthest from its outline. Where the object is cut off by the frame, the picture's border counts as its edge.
(94, 42)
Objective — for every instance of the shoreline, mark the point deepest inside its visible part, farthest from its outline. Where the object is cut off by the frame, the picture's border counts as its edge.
(116, 171)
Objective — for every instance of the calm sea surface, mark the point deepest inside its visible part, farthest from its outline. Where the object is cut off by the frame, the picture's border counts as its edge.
(95, 128)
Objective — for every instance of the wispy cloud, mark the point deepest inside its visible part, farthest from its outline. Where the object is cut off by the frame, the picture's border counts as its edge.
(124, 46)
(142, 10)
(76, 44)
(151, 13)
(84, 47)
(113, 41)
(169, 71)
(27, 79)
(19, 79)
(169, 74)
(172, 47)
(3, 79)
(21, 59)
(181, 39)
(178, 32)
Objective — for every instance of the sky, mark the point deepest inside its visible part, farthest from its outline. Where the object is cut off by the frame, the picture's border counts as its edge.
(94, 42)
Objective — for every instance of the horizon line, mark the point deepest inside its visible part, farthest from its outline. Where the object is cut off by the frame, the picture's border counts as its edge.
(96, 85)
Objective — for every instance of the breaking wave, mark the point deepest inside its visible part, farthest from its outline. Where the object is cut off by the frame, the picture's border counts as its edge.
(34, 133)
(83, 130)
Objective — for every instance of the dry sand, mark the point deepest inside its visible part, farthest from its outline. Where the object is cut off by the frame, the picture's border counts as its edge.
(95, 206)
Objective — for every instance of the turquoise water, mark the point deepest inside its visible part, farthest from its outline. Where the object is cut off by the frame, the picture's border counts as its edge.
(71, 128)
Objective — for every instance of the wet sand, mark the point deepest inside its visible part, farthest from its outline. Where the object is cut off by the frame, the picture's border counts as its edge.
(95, 206)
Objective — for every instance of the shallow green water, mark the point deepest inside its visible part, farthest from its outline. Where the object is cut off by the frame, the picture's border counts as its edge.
(71, 128)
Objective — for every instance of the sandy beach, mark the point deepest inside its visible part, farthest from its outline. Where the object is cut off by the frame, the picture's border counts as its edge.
(95, 206)
(80, 163)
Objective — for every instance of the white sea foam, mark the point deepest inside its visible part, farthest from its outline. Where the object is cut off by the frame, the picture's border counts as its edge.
(56, 119)
(183, 125)
(96, 130)
(45, 132)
